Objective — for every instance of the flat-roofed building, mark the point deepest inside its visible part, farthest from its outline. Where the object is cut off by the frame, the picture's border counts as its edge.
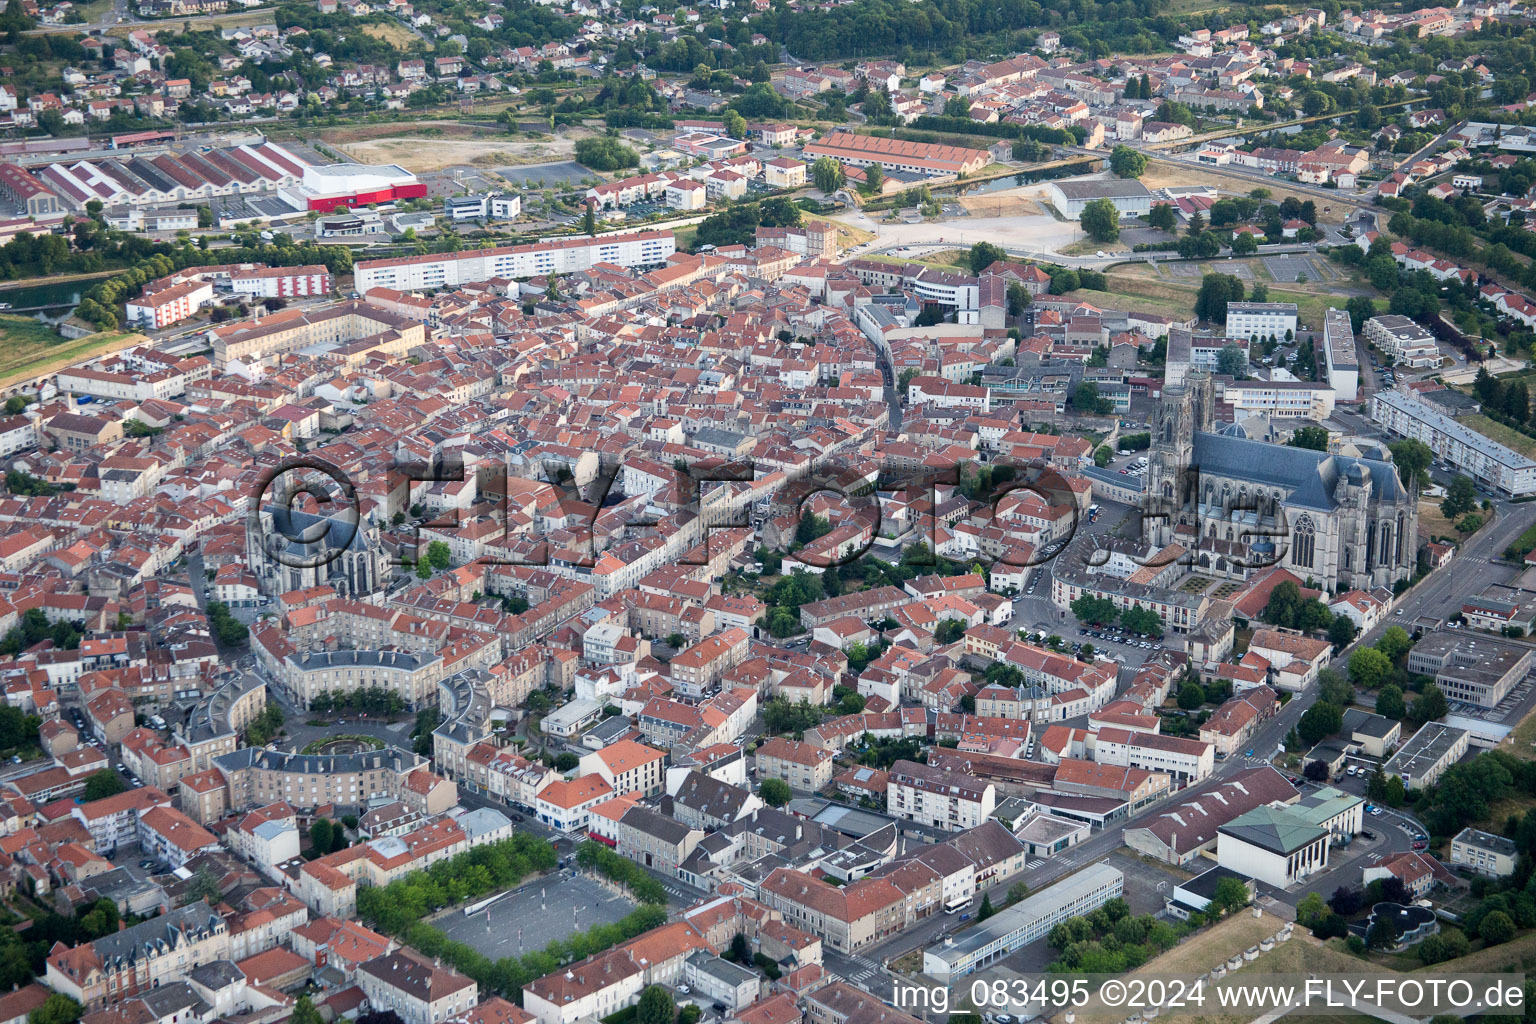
(1030, 919)
(1427, 754)
(1480, 457)
(1404, 341)
(1256, 321)
(1340, 355)
(1471, 667)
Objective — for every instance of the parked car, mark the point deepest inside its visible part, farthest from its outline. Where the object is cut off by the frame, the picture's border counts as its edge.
(1420, 844)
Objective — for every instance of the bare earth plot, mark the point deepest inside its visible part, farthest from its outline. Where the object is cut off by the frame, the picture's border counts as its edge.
(395, 35)
(420, 154)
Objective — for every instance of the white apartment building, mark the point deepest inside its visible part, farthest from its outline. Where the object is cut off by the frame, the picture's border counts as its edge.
(1256, 321)
(1469, 452)
(1189, 760)
(1340, 356)
(946, 800)
(1291, 399)
(1405, 341)
(564, 256)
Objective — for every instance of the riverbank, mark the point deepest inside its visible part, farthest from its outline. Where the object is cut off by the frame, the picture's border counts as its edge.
(30, 349)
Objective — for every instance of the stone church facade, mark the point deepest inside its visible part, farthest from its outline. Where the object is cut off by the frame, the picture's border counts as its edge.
(1240, 505)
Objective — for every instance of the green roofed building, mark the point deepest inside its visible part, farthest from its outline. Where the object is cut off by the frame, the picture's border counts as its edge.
(1275, 844)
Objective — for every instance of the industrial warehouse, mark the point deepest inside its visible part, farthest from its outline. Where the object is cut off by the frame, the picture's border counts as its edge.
(140, 179)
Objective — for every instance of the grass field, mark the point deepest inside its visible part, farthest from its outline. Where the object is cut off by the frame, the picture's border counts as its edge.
(1432, 523)
(395, 35)
(1143, 294)
(28, 348)
(1499, 432)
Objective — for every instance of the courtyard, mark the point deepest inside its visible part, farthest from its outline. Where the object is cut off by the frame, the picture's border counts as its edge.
(533, 916)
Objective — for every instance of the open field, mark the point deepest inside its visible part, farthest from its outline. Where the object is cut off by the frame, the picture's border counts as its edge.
(29, 349)
(434, 154)
(395, 35)
(1001, 204)
(1118, 297)
(1431, 522)
(1165, 173)
(1506, 436)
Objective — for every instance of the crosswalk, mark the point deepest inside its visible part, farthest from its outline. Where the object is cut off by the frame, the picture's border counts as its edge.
(866, 975)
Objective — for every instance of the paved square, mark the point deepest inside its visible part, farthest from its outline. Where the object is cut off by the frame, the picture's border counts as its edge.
(1182, 269)
(1241, 271)
(1285, 268)
(556, 174)
(535, 915)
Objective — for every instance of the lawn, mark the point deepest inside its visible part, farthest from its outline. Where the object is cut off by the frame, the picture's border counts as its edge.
(1523, 739)
(685, 236)
(394, 34)
(1506, 436)
(29, 348)
(1150, 301)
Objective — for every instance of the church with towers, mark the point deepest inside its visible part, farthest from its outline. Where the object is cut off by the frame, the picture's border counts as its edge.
(1238, 505)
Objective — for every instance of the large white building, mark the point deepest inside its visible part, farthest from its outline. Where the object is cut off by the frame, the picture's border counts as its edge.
(1287, 399)
(1188, 760)
(946, 800)
(1256, 321)
(1340, 356)
(563, 256)
(1405, 341)
(1027, 920)
(1469, 452)
(1131, 197)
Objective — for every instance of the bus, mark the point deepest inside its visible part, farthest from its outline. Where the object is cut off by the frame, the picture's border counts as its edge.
(958, 904)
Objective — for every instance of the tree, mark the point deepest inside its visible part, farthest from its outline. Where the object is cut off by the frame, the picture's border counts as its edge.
(741, 948)
(589, 219)
(1101, 455)
(1341, 631)
(320, 836)
(304, 1012)
(1312, 909)
(602, 153)
(1126, 162)
(1018, 298)
(1244, 244)
(1389, 702)
(102, 784)
(1229, 896)
(984, 254)
(1429, 706)
(1334, 688)
(439, 555)
(775, 792)
(1085, 398)
(827, 174)
(986, 910)
(1196, 226)
(1191, 695)
(1016, 892)
(1096, 611)
(1413, 459)
(567, 762)
(1216, 290)
(60, 1009)
(1496, 928)
(1395, 642)
(1460, 497)
(1142, 620)
(1315, 438)
(656, 1006)
(1316, 771)
(1101, 221)
(1320, 721)
(874, 180)
(734, 124)
(1232, 361)
(1162, 217)
(1368, 667)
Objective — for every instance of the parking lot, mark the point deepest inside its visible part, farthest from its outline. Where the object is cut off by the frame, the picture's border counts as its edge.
(535, 915)
(566, 172)
(1284, 269)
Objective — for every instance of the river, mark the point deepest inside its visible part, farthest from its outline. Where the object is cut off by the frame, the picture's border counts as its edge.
(55, 298)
